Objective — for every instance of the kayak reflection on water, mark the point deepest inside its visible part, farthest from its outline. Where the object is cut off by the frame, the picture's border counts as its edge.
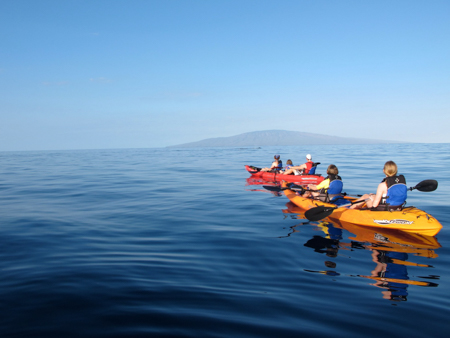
(390, 251)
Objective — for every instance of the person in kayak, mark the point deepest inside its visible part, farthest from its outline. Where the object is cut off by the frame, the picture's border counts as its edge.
(301, 169)
(391, 193)
(277, 164)
(329, 188)
(289, 165)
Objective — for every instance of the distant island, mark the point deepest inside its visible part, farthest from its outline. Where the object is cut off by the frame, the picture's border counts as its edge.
(277, 138)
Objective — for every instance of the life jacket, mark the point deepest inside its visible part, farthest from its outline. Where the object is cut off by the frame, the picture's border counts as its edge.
(280, 165)
(309, 165)
(288, 166)
(336, 185)
(396, 190)
(334, 190)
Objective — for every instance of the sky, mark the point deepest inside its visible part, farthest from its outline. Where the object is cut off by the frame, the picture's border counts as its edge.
(104, 74)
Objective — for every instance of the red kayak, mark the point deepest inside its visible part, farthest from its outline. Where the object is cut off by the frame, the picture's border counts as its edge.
(273, 176)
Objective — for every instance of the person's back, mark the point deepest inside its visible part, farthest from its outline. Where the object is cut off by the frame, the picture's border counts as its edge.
(329, 188)
(277, 164)
(289, 165)
(308, 165)
(396, 190)
(280, 165)
(335, 187)
(391, 192)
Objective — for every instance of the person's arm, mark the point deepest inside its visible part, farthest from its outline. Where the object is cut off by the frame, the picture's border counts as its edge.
(299, 167)
(382, 189)
(323, 185)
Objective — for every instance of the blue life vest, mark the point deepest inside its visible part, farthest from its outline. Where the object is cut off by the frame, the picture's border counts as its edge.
(280, 164)
(336, 185)
(397, 190)
(333, 193)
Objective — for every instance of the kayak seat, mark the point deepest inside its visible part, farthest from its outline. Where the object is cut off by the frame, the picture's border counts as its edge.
(387, 207)
(312, 171)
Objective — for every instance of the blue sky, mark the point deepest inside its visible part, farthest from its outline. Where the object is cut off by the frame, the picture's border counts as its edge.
(140, 74)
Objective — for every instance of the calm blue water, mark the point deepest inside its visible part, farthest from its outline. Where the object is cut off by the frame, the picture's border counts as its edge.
(166, 242)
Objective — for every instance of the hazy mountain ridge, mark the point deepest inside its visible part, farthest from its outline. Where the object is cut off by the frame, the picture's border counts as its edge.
(277, 138)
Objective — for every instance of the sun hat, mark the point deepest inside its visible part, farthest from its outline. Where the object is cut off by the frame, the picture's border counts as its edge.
(308, 156)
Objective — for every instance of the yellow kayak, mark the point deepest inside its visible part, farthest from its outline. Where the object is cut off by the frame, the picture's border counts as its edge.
(410, 219)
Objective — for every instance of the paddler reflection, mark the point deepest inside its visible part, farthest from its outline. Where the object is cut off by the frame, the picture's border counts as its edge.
(387, 271)
(391, 274)
(328, 244)
(390, 250)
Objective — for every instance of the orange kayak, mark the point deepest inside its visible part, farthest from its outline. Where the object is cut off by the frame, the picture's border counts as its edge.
(410, 219)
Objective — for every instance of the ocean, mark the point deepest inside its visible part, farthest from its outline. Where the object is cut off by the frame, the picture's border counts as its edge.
(182, 243)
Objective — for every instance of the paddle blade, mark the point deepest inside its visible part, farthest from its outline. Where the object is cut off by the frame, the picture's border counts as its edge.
(254, 170)
(278, 188)
(296, 187)
(273, 188)
(427, 185)
(318, 213)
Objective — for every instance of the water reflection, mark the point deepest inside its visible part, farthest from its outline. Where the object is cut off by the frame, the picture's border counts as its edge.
(390, 251)
(258, 182)
(327, 244)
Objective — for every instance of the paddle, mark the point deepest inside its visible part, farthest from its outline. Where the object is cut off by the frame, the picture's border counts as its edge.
(320, 212)
(255, 170)
(295, 188)
(427, 185)
(278, 188)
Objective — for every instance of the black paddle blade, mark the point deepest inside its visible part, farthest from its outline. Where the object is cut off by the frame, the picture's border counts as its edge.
(273, 188)
(254, 170)
(277, 188)
(296, 187)
(427, 185)
(318, 213)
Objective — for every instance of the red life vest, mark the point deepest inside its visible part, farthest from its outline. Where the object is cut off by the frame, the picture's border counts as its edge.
(309, 165)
